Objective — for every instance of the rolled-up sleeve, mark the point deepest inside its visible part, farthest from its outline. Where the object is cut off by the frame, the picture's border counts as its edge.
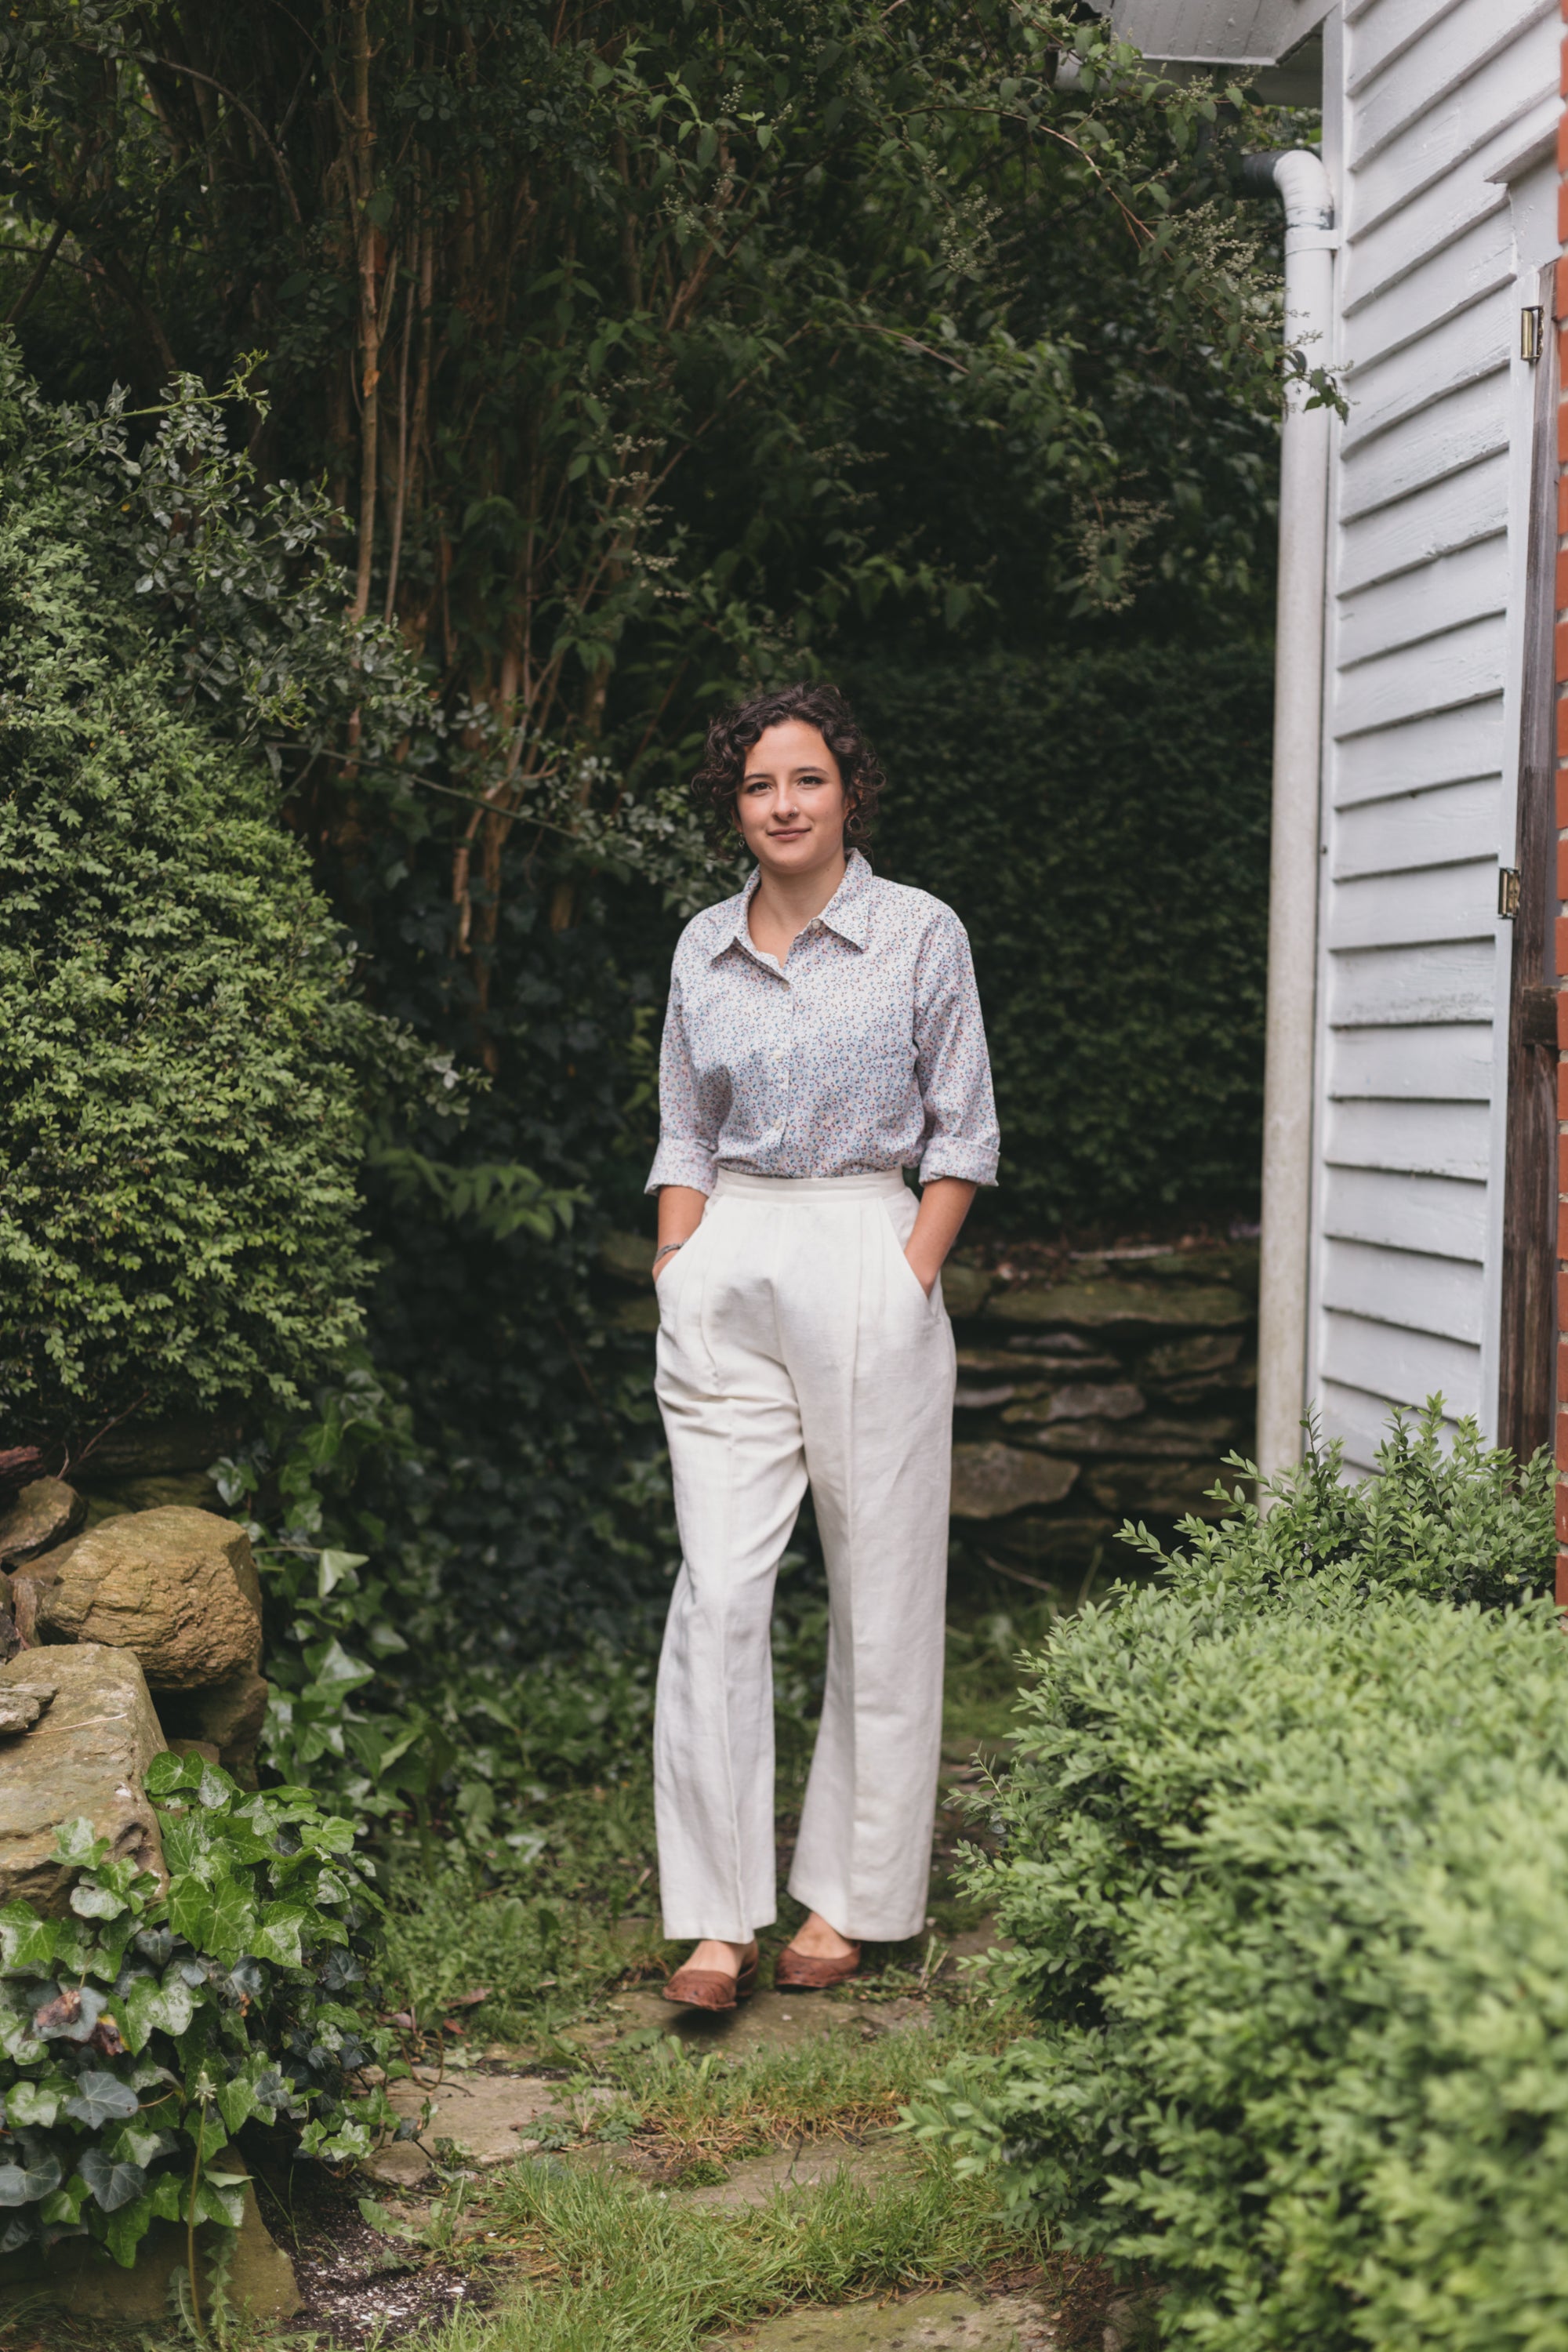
(687, 1154)
(952, 1068)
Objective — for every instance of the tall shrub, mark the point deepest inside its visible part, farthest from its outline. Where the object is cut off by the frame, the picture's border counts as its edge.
(178, 1107)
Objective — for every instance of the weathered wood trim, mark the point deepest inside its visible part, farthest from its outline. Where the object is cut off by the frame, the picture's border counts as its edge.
(1529, 1334)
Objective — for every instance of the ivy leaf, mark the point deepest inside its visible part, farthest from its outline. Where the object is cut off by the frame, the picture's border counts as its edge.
(277, 1937)
(221, 2198)
(151, 2007)
(26, 1940)
(89, 1901)
(127, 2230)
(75, 1842)
(32, 2102)
(28, 2183)
(168, 1775)
(236, 2102)
(113, 2181)
(190, 1911)
(101, 2099)
(233, 1920)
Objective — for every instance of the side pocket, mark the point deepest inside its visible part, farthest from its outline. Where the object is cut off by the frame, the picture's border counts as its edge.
(676, 1272)
(911, 1277)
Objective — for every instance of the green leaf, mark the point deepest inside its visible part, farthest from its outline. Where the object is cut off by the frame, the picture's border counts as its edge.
(26, 1942)
(236, 2102)
(113, 2181)
(75, 1842)
(34, 2179)
(100, 2098)
(92, 1902)
(127, 2229)
(34, 2104)
(150, 2007)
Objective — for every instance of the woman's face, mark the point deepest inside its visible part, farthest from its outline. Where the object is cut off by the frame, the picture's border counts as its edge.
(791, 806)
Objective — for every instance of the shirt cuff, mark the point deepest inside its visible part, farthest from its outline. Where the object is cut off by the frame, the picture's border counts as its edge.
(948, 1155)
(680, 1159)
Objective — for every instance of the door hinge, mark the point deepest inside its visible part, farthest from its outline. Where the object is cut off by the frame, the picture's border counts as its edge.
(1532, 331)
(1508, 892)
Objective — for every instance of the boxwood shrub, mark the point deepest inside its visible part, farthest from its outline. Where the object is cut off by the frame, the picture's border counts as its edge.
(1284, 1855)
(180, 1089)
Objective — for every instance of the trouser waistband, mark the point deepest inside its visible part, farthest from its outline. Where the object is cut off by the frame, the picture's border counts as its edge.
(783, 1191)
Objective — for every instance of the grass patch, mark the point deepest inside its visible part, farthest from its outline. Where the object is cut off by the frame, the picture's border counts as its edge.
(693, 2108)
(539, 1925)
(615, 2268)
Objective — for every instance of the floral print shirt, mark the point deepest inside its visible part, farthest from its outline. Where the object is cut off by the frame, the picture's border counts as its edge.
(864, 1051)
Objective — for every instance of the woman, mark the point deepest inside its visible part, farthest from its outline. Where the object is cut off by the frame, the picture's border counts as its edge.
(823, 1033)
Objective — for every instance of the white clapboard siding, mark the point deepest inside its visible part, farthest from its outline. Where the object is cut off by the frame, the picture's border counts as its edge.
(1451, 589)
(1462, 666)
(1448, 1061)
(1438, 828)
(1474, 266)
(1411, 909)
(1410, 1064)
(1415, 238)
(1439, 1215)
(1415, 1139)
(1441, 1295)
(1452, 56)
(1405, 1366)
(1473, 426)
(1381, 393)
(1388, 32)
(1397, 152)
(1433, 749)
(1455, 981)
(1444, 518)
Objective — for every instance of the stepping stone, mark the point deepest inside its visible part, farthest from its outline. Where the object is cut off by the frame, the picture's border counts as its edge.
(927, 2323)
(492, 2118)
(768, 2021)
(758, 2178)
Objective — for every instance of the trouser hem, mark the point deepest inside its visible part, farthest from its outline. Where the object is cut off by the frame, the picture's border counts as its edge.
(694, 1926)
(861, 1926)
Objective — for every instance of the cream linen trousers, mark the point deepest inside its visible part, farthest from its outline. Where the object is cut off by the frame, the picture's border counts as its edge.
(796, 1345)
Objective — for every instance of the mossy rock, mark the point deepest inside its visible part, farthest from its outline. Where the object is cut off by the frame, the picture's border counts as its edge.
(629, 1257)
(1098, 1305)
(78, 2276)
(991, 1481)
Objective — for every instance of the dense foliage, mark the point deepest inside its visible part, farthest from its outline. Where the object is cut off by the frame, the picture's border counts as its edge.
(180, 1123)
(1283, 1848)
(1099, 820)
(651, 355)
(145, 2029)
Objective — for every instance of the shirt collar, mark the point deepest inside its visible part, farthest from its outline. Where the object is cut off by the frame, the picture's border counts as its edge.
(848, 912)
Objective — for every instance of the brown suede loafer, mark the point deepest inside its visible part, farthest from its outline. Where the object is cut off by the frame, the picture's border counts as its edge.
(710, 1987)
(802, 1973)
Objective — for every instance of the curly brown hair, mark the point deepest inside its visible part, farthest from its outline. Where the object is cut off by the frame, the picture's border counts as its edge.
(734, 734)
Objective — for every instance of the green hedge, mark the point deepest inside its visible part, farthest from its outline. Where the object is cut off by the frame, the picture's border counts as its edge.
(179, 1109)
(1100, 822)
(1284, 1852)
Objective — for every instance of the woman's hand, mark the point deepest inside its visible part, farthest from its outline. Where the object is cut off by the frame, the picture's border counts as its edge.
(680, 1208)
(944, 1205)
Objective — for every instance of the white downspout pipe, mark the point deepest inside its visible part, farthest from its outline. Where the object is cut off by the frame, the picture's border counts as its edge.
(1302, 183)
